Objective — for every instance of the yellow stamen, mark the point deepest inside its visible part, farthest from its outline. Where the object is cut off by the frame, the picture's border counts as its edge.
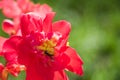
(48, 47)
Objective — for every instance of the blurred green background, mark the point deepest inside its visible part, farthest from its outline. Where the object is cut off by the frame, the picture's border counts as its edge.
(95, 35)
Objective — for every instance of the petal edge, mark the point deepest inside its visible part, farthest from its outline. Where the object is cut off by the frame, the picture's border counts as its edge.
(76, 62)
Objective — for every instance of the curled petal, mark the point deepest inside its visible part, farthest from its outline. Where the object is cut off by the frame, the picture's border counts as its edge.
(8, 27)
(63, 27)
(76, 62)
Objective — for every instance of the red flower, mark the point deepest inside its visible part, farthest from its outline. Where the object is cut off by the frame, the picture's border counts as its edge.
(14, 8)
(43, 48)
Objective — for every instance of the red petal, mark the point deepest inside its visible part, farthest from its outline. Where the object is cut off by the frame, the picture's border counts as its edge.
(37, 71)
(47, 23)
(60, 75)
(2, 40)
(8, 26)
(38, 24)
(25, 26)
(61, 45)
(12, 43)
(1, 68)
(63, 27)
(76, 62)
(60, 62)
(10, 56)
(30, 22)
(10, 48)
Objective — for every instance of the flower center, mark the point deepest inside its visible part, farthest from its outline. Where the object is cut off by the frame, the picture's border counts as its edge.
(48, 47)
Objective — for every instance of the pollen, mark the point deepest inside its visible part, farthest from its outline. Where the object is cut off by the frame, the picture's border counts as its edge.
(47, 47)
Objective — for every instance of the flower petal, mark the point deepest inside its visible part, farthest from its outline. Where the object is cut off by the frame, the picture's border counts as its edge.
(47, 23)
(60, 62)
(60, 75)
(42, 10)
(9, 48)
(45, 8)
(2, 40)
(25, 5)
(63, 27)
(30, 22)
(25, 28)
(8, 26)
(37, 71)
(76, 62)
(11, 9)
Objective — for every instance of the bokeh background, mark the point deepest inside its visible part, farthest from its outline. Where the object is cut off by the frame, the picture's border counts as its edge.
(95, 35)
